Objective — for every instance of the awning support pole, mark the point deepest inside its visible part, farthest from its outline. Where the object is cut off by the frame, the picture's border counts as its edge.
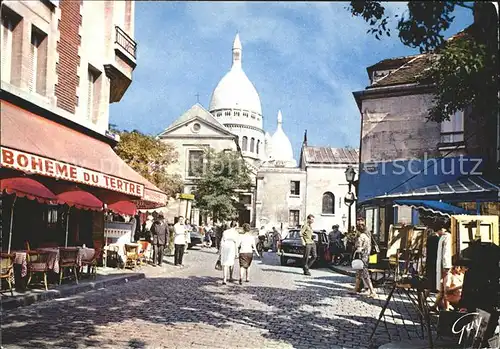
(67, 228)
(11, 222)
(478, 208)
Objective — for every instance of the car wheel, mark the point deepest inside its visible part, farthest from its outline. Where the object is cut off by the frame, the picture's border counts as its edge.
(283, 260)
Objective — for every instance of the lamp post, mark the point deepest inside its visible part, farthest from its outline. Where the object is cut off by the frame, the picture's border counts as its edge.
(349, 198)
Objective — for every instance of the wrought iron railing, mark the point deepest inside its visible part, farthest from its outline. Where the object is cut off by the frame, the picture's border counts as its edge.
(125, 41)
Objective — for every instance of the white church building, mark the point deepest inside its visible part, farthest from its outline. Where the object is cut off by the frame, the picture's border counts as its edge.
(285, 191)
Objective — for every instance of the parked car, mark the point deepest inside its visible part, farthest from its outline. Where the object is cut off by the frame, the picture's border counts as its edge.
(291, 247)
(196, 237)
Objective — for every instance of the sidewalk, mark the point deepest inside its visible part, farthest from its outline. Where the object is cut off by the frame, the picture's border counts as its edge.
(420, 344)
(105, 277)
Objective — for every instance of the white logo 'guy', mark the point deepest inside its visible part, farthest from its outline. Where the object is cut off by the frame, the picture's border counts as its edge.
(467, 327)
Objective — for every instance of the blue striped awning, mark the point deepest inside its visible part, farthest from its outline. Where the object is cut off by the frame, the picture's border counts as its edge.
(438, 207)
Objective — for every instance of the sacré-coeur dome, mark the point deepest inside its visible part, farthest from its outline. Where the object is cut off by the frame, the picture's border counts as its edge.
(235, 90)
(281, 147)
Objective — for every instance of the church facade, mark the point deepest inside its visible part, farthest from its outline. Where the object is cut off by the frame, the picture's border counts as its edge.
(285, 192)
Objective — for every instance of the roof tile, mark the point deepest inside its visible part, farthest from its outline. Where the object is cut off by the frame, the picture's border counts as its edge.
(328, 155)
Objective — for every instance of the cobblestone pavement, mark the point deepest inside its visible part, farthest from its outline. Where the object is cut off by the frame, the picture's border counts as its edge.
(189, 308)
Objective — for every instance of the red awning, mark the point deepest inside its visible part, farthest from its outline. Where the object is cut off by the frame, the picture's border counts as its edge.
(28, 188)
(116, 202)
(123, 207)
(73, 196)
(26, 135)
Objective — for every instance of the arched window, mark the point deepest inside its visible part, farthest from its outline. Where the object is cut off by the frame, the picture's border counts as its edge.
(328, 206)
(244, 143)
(258, 146)
(252, 144)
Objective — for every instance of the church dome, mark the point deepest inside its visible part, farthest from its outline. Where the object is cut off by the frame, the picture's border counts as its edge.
(235, 90)
(281, 147)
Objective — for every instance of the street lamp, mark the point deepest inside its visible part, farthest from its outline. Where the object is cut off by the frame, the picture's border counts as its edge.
(349, 198)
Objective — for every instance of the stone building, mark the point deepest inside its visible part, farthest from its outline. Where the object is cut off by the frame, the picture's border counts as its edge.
(409, 163)
(285, 192)
(62, 64)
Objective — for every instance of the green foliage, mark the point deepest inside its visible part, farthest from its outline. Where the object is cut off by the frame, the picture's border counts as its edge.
(150, 157)
(465, 73)
(225, 175)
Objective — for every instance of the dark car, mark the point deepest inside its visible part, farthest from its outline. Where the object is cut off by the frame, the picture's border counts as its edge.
(196, 237)
(291, 247)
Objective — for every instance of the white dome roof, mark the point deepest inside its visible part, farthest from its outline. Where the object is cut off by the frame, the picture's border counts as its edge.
(235, 90)
(281, 147)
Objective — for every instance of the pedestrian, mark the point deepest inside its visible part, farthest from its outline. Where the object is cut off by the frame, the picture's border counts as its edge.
(218, 236)
(336, 243)
(276, 239)
(228, 251)
(310, 253)
(159, 231)
(246, 250)
(189, 229)
(363, 248)
(147, 228)
(179, 241)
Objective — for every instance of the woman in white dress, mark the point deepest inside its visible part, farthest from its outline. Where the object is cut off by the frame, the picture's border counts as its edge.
(228, 250)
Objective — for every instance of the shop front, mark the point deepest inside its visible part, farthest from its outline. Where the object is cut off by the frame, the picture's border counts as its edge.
(58, 182)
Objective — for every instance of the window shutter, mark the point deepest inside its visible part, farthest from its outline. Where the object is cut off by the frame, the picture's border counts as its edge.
(90, 95)
(33, 59)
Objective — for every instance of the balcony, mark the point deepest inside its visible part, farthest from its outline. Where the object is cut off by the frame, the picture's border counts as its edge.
(125, 42)
(123, 63)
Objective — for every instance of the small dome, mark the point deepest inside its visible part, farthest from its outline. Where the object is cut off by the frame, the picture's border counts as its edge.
(235, 90)
(281, 147)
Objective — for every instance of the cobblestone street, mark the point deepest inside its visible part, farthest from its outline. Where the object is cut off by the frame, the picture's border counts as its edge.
(189, 308)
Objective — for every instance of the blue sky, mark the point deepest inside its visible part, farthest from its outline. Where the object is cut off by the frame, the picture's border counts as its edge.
(305, 58)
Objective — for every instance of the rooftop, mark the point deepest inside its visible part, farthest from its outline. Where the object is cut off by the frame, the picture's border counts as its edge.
(327, 155)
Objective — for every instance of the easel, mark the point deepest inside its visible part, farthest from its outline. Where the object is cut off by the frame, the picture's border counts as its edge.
(412, 253)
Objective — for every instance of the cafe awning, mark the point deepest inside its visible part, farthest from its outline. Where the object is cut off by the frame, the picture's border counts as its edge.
(34, 144)
(437, 207)
(28, 188)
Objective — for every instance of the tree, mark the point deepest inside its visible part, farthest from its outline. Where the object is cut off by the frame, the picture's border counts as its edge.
(465, 70)
(224, 176)
(150, 157)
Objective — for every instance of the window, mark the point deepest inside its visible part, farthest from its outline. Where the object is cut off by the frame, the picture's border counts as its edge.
(236, 113)
(295, 187)
(219, 114)
(252, 144)
(452, 131)
(92, 96)
(404, 214)
(7, 28)
(38, 58)
(195, 163)
(328, 206)
(244, 143)
(257, 147)
(196, 127)
(293, 218)
(245, 199)
(245, 114)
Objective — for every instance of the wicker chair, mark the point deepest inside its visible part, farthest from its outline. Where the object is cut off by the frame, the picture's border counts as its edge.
(38, 264)
(132, 254)
(145, 252)
(7, 269)
(67, 260)
(92, 264)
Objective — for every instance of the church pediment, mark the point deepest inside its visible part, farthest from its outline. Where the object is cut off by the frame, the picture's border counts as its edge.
(196, 122)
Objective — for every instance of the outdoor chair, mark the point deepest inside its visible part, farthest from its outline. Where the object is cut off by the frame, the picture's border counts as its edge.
(68, 260)
(7, 269)
(132, 255)
(145, 252)
(38, 263)
(92, 264)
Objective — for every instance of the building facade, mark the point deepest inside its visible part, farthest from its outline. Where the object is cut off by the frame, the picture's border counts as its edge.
(406, 158)
(62, 64)
(285, 191)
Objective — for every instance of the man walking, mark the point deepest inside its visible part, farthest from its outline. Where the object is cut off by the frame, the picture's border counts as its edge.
(160, 238)
(306, 234)
(179, 241)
